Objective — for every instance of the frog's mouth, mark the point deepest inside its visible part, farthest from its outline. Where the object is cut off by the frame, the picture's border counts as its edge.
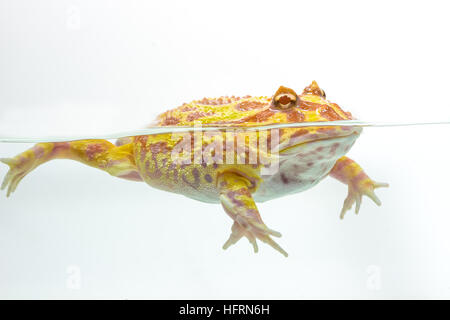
(343, 134)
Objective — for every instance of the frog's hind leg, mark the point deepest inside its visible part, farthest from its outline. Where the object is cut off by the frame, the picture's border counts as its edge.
(238, 203)
(359, 184)
(101, 154)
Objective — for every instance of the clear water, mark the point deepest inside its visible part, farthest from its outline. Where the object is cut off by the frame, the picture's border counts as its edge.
(71, 231)
(178, 129)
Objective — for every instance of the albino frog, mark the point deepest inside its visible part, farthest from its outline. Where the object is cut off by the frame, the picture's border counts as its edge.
(228, 167)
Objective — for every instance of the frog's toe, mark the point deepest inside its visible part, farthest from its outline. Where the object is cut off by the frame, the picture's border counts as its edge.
(8, 177)
(253, 222)
(237, 232)
(267, 239)
(348, 203)
(5, 181)
(371, 194)
(380, 184)
(369, 191)
(14, 183)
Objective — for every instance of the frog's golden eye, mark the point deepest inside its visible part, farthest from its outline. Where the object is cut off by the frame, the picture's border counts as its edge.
(284, 98)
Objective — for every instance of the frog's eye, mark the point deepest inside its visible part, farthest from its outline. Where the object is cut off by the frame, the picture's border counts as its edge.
(284, 98)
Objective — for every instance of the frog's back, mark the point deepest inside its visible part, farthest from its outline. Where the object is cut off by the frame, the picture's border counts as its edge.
(310, 106)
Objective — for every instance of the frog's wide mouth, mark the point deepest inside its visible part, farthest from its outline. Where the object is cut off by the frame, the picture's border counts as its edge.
(350, 133)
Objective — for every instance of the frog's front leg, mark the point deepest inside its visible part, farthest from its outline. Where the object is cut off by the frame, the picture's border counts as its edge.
(101, 154)
(349, 172)
(238, 203)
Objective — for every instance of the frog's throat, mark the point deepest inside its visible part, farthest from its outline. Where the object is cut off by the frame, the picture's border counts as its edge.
(353, 134)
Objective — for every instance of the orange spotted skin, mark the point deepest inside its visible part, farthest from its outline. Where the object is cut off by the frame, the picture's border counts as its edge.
(251, 111)
(234, 167)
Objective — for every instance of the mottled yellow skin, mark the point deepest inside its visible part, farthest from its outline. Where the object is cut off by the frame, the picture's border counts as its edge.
(230, 114)
(230, 167)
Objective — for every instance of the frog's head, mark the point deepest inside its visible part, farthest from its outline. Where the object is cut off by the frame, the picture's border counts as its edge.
(309, 106)
(284, 106)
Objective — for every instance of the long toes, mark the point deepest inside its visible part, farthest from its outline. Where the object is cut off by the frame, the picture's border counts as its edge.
(236, 237)
(11, 176)
(251, 238)
(259, 227)
(237, 232)
(6, 180)
(358, 203)
(342, 214)
(355, 195)
(274, 233)
(267, 239)
(231, 240)
(251, 233)
(348, 203)
(227, 244)
(13, 183)
(16, 182)
(373, 196)
(344, 211)
(380, 185)
(269, 231)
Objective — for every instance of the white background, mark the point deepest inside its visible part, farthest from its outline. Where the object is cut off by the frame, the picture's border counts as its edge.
(82, 67)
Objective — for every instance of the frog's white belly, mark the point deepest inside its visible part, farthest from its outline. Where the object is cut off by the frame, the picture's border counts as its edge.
(303, 166)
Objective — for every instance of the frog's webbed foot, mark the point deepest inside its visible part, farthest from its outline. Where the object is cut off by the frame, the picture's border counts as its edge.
(238, 203)
(238, 231)
(357, 190)
(359, 184)
(17, 171)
